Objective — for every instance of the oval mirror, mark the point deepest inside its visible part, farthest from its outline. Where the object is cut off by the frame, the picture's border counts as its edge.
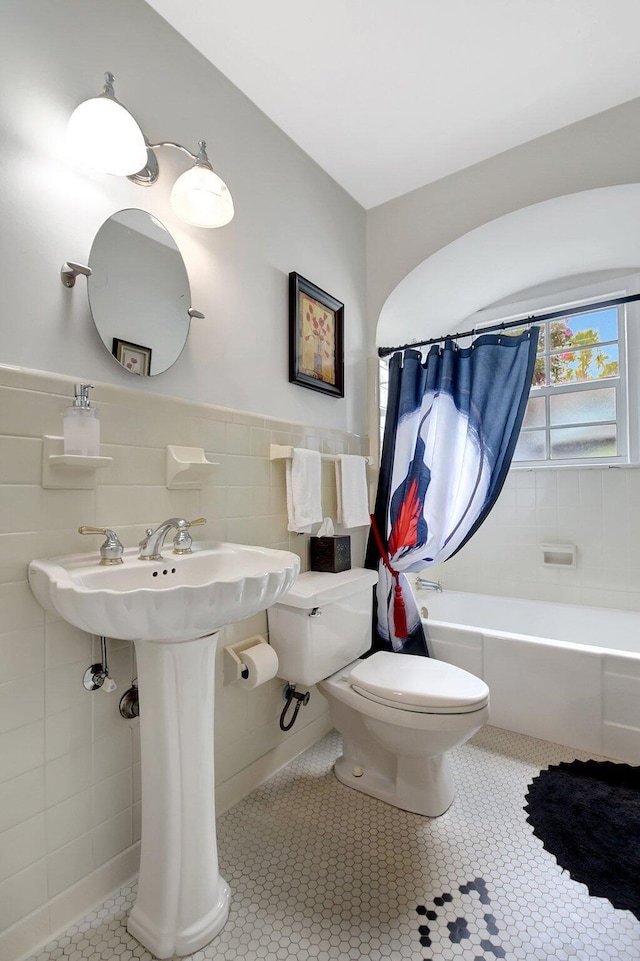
(139, 292)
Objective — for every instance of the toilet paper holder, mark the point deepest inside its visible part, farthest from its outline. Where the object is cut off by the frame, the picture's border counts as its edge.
(234, 667)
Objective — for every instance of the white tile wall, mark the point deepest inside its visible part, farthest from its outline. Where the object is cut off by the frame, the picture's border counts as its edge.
(69, 764)
(596, 509)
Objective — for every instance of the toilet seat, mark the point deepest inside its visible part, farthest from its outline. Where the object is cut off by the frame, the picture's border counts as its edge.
(423, 685)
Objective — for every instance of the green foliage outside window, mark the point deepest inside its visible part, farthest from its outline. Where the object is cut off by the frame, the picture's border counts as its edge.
(573, 355)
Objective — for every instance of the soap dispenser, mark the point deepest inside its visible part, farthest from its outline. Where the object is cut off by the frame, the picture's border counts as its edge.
(81, 427)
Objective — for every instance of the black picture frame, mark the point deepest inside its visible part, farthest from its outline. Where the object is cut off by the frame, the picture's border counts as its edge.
(316, 337)
(133, 357)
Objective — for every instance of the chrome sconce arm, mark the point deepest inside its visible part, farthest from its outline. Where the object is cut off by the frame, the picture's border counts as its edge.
(149, 174)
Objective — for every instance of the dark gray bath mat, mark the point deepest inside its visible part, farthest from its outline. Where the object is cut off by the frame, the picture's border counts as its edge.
(587, 814)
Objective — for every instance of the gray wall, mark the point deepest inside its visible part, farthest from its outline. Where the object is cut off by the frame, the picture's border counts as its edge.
(600, 151)
(289, 214)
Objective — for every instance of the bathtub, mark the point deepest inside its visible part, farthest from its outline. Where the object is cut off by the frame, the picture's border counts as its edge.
(561, 672)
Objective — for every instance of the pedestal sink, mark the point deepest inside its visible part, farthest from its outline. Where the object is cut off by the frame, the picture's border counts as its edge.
(172, 609)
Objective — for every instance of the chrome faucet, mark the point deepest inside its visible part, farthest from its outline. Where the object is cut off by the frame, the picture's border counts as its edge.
(151, 543)
(423, 585)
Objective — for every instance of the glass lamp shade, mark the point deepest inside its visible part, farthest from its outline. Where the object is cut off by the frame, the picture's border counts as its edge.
(103, 135)
(201, 198)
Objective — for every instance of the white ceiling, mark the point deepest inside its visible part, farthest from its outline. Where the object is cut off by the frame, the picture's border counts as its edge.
(387, 95)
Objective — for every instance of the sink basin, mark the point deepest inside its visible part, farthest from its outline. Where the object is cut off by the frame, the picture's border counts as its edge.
(179, 597)
(173, 610)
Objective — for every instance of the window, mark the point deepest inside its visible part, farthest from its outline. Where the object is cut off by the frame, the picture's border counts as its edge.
(577, 405)
(584, 405)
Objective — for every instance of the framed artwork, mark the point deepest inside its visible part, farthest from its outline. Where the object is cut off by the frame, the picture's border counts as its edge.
(316, 338)
(134, 357)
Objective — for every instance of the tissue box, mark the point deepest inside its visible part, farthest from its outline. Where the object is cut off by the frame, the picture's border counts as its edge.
(331, 554)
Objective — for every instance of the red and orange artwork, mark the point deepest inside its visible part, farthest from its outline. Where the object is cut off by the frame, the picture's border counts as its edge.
(317, 340)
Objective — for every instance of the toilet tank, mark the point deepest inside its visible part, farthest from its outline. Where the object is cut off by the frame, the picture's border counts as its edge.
(322, 624)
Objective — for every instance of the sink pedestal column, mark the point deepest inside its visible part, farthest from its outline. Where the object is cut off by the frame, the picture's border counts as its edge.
(182, 901)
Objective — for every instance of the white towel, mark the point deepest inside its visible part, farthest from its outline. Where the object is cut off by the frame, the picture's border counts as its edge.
(352, 491)
(303, 475)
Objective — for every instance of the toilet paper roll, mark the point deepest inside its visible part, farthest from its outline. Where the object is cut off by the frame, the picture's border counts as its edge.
(262, 663)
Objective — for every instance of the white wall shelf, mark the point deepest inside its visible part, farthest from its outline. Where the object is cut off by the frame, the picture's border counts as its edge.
(187, 468)
(62, 471)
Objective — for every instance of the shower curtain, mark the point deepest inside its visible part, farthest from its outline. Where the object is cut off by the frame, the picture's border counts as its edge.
(451, 429)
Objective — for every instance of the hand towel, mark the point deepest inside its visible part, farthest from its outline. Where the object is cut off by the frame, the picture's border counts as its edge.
(303, 476)
(352, 491)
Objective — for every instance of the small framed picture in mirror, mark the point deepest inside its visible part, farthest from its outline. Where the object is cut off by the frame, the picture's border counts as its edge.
(133, 357)
(316, 354)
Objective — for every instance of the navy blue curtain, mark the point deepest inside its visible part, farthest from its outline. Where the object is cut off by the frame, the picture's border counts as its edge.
(451, 429)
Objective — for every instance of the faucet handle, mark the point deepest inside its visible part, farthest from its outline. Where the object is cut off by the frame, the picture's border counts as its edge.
(182, 541)
(112, 550)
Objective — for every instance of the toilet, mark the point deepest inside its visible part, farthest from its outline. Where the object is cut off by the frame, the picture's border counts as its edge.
(399, 714)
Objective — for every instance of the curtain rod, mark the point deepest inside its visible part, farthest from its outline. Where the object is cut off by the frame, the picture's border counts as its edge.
(523, 322)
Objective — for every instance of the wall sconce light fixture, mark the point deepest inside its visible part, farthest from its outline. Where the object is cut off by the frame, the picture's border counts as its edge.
(103, 135)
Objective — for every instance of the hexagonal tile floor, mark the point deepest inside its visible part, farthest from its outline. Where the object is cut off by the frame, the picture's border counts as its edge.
(320, 871)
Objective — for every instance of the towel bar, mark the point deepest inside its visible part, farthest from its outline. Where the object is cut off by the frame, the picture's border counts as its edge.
(280, 452)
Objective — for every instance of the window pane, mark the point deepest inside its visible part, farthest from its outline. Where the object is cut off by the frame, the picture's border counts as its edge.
(589, 363)
(598, 441)
(580, 330)
(582, 405)
(535, 415)
(539, 373)
(560, 335)
(531, 446)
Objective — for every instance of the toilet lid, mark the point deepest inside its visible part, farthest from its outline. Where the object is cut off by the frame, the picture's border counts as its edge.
(423, 684)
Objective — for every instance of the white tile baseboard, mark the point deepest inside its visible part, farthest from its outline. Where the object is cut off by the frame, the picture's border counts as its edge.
(26, 936)
(244, 782)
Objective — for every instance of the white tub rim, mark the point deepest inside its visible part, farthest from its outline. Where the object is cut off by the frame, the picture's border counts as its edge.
(423, 597)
